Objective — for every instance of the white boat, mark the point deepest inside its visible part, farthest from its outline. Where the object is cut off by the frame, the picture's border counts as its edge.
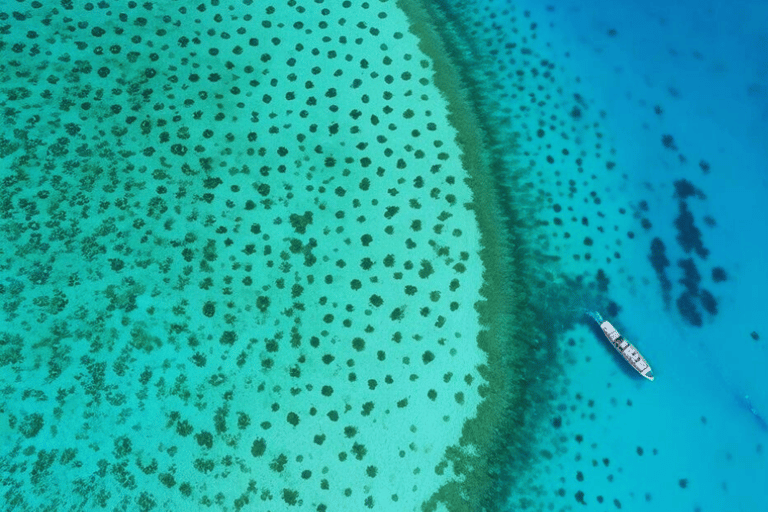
(625, 348)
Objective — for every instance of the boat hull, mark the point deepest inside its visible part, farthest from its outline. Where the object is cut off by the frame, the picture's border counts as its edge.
(627, 350)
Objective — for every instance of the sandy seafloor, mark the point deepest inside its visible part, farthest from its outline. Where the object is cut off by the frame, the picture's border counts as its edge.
(327, 331)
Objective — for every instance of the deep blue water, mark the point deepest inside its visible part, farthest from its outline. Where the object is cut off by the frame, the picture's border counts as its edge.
(683, 87)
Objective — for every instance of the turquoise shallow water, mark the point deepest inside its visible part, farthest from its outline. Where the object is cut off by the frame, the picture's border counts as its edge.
(238, 267)
(238, 272)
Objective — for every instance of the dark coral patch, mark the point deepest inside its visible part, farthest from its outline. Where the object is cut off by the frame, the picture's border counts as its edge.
(688, 235)
(668, 142)
(658, 256)
(228, 338)
(688, 310)
(659, 262)
(708, 302)
(258, 447)
(300, 222)
(691, 278)
(685, 189)
(719, 275)
(204, 439)
(602, 281)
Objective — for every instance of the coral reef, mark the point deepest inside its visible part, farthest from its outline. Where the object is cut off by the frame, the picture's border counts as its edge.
(253, 248)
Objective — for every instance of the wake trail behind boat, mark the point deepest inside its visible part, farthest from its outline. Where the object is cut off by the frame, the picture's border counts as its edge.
(746, 402)
(742, 399)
